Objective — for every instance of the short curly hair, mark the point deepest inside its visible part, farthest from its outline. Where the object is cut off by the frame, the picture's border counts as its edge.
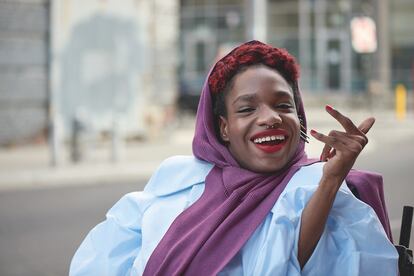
(253, 53)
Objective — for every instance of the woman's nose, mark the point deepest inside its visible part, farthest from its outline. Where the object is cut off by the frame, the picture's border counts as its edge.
(268, 117)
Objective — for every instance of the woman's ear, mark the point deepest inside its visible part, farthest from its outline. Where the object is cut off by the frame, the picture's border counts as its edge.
(223, 129)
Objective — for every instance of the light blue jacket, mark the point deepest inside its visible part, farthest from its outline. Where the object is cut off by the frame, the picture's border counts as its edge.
(353, 242)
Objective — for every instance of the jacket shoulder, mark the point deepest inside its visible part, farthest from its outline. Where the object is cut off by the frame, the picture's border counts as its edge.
(177, 173)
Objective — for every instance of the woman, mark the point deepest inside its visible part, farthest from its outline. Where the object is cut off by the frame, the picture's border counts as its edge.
(250, 202)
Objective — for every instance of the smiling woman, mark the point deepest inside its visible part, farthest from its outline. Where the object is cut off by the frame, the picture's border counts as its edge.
(249, 202)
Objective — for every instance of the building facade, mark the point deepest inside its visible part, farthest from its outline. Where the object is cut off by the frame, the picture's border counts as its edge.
(98, 62)
(318, 32)
(24, 36)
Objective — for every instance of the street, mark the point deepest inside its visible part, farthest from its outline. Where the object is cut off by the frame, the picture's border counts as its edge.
(41, 228)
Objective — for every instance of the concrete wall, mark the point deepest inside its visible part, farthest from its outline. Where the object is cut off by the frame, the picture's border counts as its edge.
(23, 69)
(113, 61)
(99, 57)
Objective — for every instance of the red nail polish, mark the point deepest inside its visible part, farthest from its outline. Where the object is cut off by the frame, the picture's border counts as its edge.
(313, 131)
(328, 107)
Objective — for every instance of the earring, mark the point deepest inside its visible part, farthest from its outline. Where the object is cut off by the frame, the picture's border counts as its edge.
(303, 134)
(224, 137)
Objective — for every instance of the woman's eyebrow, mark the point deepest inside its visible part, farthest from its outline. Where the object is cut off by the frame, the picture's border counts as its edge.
(283, 93)
(252, 97)
(245, 98)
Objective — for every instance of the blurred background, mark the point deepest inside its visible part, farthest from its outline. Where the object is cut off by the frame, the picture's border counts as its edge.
(95, 94)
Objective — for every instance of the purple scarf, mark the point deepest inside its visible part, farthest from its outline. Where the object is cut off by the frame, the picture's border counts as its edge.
(368, 187)
(206, 236)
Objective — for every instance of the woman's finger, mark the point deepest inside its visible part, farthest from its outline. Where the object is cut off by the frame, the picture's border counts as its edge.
(366, 125)
(331, 154)
(338, 141)
(333, 142)
(325, 152)
(346, 123)
(361, 139)
(326, 149)
(328, 152)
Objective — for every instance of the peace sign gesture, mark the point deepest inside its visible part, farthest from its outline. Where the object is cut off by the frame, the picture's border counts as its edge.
(342, 147)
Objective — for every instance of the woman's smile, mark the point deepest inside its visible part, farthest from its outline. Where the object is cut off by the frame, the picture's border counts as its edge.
(270, 141)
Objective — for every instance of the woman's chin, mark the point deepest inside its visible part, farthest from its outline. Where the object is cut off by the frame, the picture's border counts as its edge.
(258, 161)
(265, 167)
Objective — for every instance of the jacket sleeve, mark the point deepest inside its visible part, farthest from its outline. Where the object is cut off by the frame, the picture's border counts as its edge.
(111, 247)
(353, 242)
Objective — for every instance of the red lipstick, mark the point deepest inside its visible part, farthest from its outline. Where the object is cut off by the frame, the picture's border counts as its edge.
(269, 132)
(273, 145)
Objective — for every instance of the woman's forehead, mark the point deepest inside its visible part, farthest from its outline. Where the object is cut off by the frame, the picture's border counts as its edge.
(255, 79)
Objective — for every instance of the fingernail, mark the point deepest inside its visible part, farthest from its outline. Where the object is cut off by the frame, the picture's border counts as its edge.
(320, 158)
(328, 107)
(313, 131)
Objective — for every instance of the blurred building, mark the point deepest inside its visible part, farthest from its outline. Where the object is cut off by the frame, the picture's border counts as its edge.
(91, 65)
(110, 64)
(24, 31)
(335, 57)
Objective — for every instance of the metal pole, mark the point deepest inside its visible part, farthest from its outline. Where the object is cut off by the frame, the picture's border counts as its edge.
(117, 144)
(305, 31)
(75, 141)
(320, 31)
(384, 46)
(346, 71)
(256, 10)
(55, 123)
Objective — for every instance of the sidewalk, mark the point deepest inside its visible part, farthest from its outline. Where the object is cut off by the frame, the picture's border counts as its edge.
(29, 166)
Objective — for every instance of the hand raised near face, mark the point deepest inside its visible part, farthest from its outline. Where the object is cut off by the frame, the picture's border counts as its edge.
(342, 147)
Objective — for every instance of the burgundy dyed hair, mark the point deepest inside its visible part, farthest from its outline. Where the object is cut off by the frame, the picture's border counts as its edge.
(250, 54)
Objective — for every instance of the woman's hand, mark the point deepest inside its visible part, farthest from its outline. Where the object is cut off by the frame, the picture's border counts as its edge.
(341, 150)
(342, 147)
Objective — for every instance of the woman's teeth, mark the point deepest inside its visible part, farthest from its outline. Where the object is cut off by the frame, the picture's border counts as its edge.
(269, 139)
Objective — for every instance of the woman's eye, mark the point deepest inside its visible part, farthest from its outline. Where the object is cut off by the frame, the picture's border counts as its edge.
(284, 106)
(245, 110)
